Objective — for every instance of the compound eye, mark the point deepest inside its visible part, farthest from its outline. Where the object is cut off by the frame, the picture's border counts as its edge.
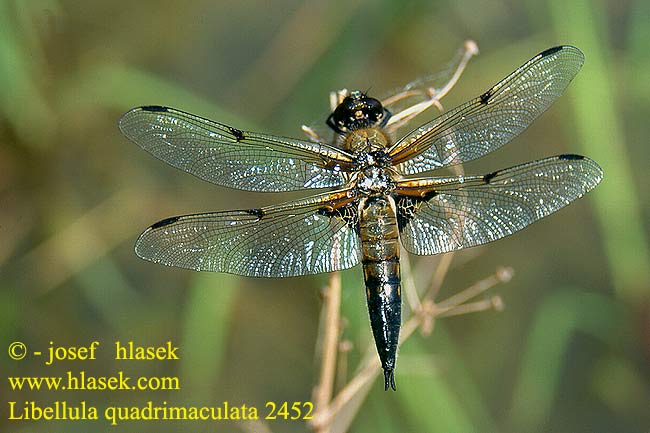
(375, 109)
(356, 111)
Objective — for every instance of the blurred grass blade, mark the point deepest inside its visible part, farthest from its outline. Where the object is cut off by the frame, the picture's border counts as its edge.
(557, 320)
(206, 325)
(118, 86)
(637, 59)
(601, 137)
(108, 290)
(431, 404)
(23, 104)
(448, 401)
(621, 386)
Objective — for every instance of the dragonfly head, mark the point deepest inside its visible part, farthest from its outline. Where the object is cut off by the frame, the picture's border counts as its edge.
(357, 111)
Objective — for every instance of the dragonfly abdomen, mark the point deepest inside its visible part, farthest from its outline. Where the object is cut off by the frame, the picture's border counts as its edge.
(380, 259)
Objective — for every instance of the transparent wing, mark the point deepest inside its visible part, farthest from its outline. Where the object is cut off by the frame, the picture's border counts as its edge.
(230, 157)
(437, 215)
(303, 237)
(486, 123)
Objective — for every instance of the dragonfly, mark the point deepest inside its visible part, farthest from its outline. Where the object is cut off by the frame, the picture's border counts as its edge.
(371, 198)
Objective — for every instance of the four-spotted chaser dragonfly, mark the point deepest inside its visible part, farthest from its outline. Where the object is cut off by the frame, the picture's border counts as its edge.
(371, 203)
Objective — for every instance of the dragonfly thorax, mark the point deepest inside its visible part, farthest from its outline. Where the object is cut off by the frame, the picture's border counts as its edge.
(366, 140)
(365, 160)
(374, 181)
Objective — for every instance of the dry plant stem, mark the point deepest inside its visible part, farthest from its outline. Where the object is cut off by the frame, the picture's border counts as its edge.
(439, 275)
(345, 347)
(502, 275)
(368, 371)
(410, 291)
(399, 96)
(471, 49)
(472, 307)
(323, 417)
(337, 97)
(312, 134)
(370, 366)
(399, 119)
(323, 392)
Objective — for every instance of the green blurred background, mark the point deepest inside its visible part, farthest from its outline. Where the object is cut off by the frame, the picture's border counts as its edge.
(571, 351)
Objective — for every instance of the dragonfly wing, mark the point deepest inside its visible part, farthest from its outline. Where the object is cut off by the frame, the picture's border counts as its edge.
(438, 215)
(230, 157)
(489, 121)
(309, 236)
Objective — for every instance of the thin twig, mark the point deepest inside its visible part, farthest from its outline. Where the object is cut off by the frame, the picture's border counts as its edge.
(471, 49)
(345, 346)
(434, 96)
(325, 387)
(501, 276)
(370, 366)
(493, 303)
(410, 291)
(439, 275)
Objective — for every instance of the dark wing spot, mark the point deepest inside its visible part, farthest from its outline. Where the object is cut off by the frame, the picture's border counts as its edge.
(238, 134)
(488, 177)
(429, 195)
(346, 213)
(154, 108)
(408, 206)
(485, 97)
(551, 51)
(326, 212)
(259, 213)
(165, 222)
(570, 157)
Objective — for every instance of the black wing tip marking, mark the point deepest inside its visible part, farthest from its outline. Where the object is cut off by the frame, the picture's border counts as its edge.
(553, 50)
(154, 108)
(485, 97)
(591, 166)
(566, 157)
(165, 222)
(570, 50)
(570, 157)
